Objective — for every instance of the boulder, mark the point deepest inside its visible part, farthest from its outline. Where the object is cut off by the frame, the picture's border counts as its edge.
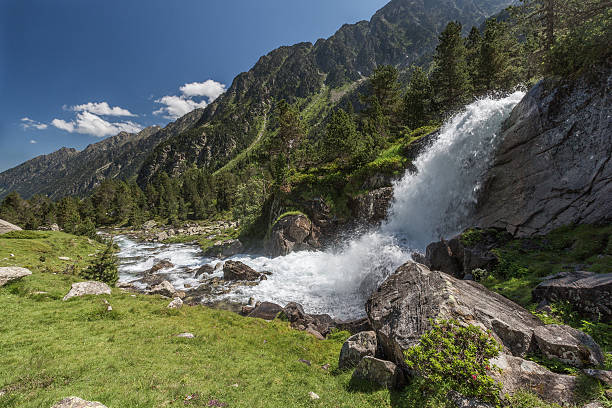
(294, 312)
(314, 333)
(568, 345)
(464, 402)
(162, 236)
(372, 207)
(440, 257)
(6, 226)
(519, 374)
(604, 376)
(163, 264)
(354, 326)
(237, 271)
(357, 347)
(149, 224)
(292, 233)
(12, 273)
(266, 311)
(379, 372)
(587, 292)
(204, 270)
(553, 166)
(54, 227)
(76, 402)
(88, 288)
(224, 249)
(176, 303)
(402, 309)
(164, 289)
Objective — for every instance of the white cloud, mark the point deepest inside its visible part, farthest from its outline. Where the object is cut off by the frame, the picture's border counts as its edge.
(210, 89)
(33, 141)
(177, 106)
(102, 108)
(88, 123)
(28, 123)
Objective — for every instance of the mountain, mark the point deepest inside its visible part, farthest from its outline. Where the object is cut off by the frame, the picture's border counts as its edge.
(71, 172)
(316, 76)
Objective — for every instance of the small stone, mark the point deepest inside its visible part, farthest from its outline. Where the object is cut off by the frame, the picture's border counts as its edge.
(88, 288)
(379, 372)
(313, 396)
(235, 385)
(308, 363)
(314, 333)
(76, 402)
(186, 335)
(604, 376)
(325, 367)
(177, 303)
(63, 258)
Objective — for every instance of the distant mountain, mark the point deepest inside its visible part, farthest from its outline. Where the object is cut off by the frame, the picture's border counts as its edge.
(71, 172)
(316, 76)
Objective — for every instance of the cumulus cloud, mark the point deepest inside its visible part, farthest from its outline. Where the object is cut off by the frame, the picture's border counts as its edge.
(88, 123)
(102, 108)
(28, 123)
(32, 141)
(177, 106)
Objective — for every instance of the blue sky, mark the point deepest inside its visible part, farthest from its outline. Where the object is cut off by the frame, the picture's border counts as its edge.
(75, 71)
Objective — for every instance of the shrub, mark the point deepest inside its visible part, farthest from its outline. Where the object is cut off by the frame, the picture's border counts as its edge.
(104, 268)
(456, 357)
(24, 235)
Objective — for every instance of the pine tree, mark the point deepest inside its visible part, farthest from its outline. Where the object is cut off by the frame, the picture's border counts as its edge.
(381, 115)
(418, 102)
(341, 139)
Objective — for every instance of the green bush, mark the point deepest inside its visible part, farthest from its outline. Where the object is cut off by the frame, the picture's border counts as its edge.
(24, 235)
(450, 356)
(104, 268)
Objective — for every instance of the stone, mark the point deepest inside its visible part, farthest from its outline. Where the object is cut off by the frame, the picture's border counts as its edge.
(464, 402)
(293, 232)
(161, 236)
(588, 292)
(568, 345)
(440, 257)
(313, 396)
(595, 404)
(204, 270)
(372, 207)
(313, 332)
(165, 288)
(76, 402)
(553, 165)
(518, 374)
(379, 372)
(604, 376)
(176, 303)
(266, 311)
(354, 326)
(186, 335)
(64, 258)
(12, 273)
(6, 226)
(87, 288)
(163, 264)
(149, 224)
(356, 347)
(54, 227)
(224, 249)
(238, 271)
(294, 312)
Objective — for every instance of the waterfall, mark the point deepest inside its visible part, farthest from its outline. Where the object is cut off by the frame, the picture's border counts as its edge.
(435, 202)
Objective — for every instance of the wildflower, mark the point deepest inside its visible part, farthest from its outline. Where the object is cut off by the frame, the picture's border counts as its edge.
(473, 376)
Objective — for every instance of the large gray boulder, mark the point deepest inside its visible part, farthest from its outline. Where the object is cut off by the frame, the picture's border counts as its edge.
(554, 165)
(379, 372)
(12, 273)
(6, 226)
(238, 271)
(518, 374)
(266, 311)
(164, 288)
(293, 232)
(587, 292)
(224, 249)
(88, 288)
(402, 309)
(357, 347)
(372, 207)
(76, 402)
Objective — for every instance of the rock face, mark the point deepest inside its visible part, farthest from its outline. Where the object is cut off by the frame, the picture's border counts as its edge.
(588, 292)
(237, 271)
(357, 347)
(88, 288)
(554, 166)
(402, 308)
(6, 226)
(11, 273)
(292, 233)
(519, 374)
(372, 207)
(380, 372)
(224, 249)
(76, 402)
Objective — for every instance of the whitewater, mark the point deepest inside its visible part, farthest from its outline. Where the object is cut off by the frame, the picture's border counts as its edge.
(435, 202)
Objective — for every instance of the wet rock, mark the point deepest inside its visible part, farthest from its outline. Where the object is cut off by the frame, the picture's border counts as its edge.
(176, 303)
(204, 270)
(604, 376)
(379, 372)
(6, 226)
(266, 311)
(518, 374)
(588, 292)
(224, 249)
(87, 288)
(164, 264)
(12, 273)
(237, 271)
(355, 348)
(553, 166)
(165, 288)
(76, 402)
(372, 207)
(292, 233)
(440, 257)
(568, 345)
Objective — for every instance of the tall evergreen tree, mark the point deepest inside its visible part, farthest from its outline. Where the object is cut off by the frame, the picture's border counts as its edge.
(418, 101)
